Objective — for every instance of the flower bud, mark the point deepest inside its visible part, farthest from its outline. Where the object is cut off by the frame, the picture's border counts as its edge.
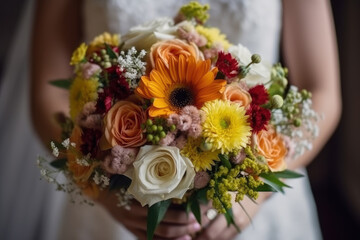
(277, 101)
(297, 122)
(255, 58)
(206, 146)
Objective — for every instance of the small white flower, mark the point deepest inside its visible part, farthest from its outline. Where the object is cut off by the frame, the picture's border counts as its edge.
(66, 143)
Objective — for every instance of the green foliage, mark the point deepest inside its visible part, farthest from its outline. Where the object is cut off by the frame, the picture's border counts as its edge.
(59, 163)
(61, 83)
(155, 215)
(118, 181)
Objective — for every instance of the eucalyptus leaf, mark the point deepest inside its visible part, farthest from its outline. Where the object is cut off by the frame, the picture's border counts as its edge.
(155, 214)
(61, 83)
(230, 219)
(288, 174)
(59, 163)
(201, 195)
(274, 181)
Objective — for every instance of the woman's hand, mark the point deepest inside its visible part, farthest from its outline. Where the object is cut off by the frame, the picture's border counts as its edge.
(176, 224)
(218, 228)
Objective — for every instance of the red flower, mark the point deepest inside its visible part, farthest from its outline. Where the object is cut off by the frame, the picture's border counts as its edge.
(259, 95)
(90, 141)
(227, 65)
(259, 117)
(118, 89)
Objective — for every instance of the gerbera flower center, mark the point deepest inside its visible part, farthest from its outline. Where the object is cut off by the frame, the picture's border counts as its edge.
(224, 123)
(181, 97)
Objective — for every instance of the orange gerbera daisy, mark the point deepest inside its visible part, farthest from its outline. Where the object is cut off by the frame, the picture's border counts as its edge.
(185, 82)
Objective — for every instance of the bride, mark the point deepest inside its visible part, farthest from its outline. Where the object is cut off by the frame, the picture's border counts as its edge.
(31, 210)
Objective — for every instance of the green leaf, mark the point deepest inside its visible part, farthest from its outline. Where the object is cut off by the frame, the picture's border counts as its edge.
(225, 160)
(110, 52)
(59, 163)
(195, 208)
(155, 214)
(265, 188)
(118, 181)
(287, 174)
(61, 83)
(230, 219)
(201, 195)
(274, 181)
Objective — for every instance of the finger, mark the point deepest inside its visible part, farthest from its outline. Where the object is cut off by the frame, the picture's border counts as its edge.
(214, 230)
(175, 231)
(179, 216)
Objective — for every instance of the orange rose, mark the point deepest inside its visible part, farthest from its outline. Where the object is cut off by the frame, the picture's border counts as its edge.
(123, 126)
(235, 93)
(81, 173)
(164, 50)
(273, 148)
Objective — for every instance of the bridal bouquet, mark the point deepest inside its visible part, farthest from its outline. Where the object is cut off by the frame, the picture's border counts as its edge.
(172, 112)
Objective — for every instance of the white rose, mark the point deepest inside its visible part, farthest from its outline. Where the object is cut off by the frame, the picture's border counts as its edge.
(259, 73)
(144, 36)
(160, 173)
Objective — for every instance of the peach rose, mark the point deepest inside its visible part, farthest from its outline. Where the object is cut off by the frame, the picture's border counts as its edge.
(80, 172)
(235, 93)
(123, 126)
(164, 50)
(272, 147)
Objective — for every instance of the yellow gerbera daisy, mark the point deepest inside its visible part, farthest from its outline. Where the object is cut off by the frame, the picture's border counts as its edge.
(185, 82)
(79, 54)
(226, 125)
(202, 160)
(214, 36)
(81, 92)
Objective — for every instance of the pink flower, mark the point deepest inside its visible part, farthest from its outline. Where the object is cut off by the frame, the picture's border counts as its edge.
(87, 118)
(192, 36)
(239, 158)
(195, 130)
(168, 139)
(201, 179)
(120, 159)
(193, 112)
(179, 142)
(173, 119)
(89, 69)
(184, 122)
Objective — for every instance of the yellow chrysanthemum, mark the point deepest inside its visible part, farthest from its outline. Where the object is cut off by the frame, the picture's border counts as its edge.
(79, 54)
(81, 92)
(202, 160)
(185, 82)
(213, 36)
(99, 41)
(226, 125)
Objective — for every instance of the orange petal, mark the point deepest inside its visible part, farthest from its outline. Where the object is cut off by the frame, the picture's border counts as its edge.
(206, 80)
(182, 69)
(160, 103)
(190, 70)
(155, 91)
(154, 112)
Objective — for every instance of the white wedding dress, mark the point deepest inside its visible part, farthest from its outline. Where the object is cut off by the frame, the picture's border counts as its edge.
(32, 209)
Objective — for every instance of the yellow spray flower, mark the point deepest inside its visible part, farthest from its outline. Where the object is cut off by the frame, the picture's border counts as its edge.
(81, 92)
(213, 36)
(202, 160)
(226, 125)
(99, 41)
(79, 54)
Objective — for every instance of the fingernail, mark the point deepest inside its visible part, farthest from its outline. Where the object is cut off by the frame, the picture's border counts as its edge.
(192, 217)
(196, 227)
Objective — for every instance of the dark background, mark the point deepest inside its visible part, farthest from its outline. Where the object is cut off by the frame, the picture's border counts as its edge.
(335, 174)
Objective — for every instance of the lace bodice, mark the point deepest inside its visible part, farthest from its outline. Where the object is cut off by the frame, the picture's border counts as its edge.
(254, 23)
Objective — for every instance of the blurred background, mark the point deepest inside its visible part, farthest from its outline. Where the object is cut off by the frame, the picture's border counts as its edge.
(335, 174)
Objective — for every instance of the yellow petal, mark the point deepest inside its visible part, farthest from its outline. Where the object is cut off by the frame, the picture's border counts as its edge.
(160, 103)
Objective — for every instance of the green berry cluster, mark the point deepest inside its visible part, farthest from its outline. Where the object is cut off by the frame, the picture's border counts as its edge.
(156, 129)
(103, 59)
(195, 10)
(278, 80)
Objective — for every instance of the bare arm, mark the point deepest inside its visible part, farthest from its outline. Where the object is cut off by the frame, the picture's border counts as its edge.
(310, 53)
(56, 34)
